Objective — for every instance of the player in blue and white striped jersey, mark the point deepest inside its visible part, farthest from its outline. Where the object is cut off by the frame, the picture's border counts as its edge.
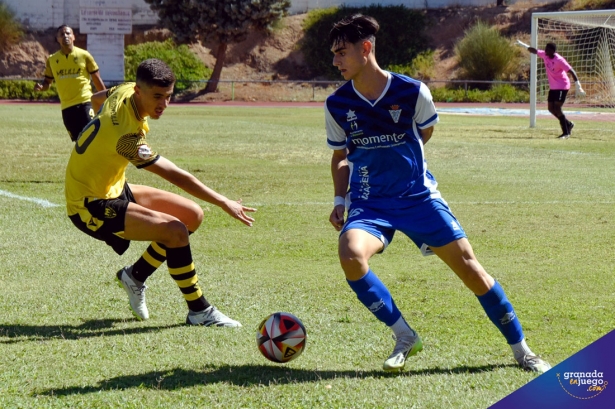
(377, 125)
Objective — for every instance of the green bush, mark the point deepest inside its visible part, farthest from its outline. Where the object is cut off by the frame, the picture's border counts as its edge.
(184, 63)
(508, 93)
(400, 39)
(484, 54)
(498, 93)
(10, 29)
(421, 68)
(22, 89)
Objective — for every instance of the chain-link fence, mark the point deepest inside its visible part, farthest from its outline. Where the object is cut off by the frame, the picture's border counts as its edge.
(278, 90)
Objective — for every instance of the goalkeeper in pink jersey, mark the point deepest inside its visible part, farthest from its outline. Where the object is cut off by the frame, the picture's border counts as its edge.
(559, 84)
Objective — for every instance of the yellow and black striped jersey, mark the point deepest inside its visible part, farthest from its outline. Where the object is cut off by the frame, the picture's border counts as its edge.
(115, 137)
(72, 75)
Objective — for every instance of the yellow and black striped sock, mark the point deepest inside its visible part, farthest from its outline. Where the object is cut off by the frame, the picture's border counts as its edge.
(181, 268)
(151, 259)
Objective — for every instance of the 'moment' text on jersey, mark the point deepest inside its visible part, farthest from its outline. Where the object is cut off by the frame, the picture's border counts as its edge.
(72, 75)
(383, 141)
(113, 139)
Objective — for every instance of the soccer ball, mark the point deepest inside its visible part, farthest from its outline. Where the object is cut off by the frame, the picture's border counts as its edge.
(281, 337)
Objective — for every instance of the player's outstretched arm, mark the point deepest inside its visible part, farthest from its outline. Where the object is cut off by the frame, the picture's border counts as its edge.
(190, 184)
(530, 49)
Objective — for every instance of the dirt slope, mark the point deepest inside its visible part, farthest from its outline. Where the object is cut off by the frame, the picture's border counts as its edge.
(275, 57)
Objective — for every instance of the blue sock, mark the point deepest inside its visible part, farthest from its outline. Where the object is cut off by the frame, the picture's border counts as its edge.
(501, 313)
(376, 297)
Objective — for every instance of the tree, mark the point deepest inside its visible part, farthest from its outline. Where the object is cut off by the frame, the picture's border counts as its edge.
(400, 39)
(11, 31)
(223, 22)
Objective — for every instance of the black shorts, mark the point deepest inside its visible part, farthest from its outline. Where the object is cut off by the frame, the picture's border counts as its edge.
(76, 118)
(104, 219)
(557, 95)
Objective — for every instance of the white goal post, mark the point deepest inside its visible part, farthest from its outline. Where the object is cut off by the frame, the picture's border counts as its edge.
(586, 39)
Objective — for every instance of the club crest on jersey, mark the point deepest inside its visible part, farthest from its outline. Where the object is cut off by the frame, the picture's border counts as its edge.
(350, 116)
(395, 112)
(144, 152)
(76, 60)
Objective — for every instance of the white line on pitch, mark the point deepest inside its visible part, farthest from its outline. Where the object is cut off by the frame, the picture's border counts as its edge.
(502, 202)
(534, 202)
(40, 202)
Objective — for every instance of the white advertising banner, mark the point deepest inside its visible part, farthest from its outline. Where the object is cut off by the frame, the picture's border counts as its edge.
(105, 20)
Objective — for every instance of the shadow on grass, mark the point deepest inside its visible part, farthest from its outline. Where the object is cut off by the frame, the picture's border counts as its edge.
(244, 376)
(92, 328)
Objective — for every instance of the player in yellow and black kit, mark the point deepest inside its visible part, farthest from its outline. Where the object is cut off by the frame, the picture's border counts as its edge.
(71, 68)
(103, 205)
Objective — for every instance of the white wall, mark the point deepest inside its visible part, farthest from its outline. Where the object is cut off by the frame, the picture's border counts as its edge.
(108, 50)
(44, 14)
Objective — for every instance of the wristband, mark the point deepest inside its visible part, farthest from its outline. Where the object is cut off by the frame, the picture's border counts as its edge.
(578, 84)
(339, 201)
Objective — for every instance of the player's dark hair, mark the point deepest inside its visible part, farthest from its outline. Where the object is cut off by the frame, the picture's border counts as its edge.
(62, 27)
(155, 72)
(551, 46)
(353, 29)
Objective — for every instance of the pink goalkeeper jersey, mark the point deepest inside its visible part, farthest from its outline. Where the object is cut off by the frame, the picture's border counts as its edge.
(557, 70)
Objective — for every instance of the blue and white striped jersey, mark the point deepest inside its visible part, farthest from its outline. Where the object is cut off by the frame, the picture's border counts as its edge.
(383, 141)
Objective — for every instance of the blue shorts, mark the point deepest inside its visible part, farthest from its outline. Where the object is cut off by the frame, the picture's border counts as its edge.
(428, 224)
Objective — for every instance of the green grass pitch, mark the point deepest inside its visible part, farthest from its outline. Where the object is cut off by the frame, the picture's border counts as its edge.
(538, 211)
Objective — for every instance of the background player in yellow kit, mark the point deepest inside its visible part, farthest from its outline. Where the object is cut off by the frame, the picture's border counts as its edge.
(71, 68)
(103, 205)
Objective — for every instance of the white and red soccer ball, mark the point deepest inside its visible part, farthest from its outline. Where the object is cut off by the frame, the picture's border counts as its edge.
(281, 337)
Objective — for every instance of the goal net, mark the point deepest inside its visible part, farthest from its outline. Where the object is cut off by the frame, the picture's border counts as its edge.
(586, 39)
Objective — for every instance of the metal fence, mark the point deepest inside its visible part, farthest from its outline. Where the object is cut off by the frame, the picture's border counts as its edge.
(289, 91)
(305, 91)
